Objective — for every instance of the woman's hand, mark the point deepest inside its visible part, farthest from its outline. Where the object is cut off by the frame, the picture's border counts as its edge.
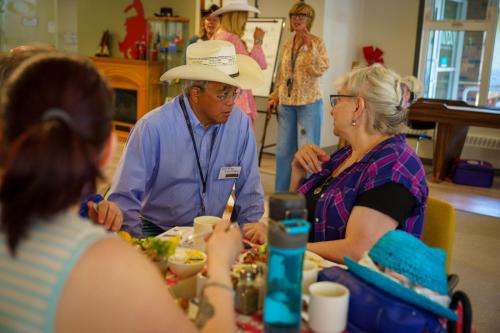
(305, 35)
(255, 232)
(258, 35)
(224, 245)
(272, 104)
(106, 213)
(309, 159)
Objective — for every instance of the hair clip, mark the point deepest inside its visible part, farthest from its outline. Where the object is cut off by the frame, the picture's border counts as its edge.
(58, 114)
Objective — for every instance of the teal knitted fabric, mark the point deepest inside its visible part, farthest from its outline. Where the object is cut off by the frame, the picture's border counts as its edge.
(407, 255)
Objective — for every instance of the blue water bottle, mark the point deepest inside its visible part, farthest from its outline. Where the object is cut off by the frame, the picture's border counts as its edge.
(287, 238)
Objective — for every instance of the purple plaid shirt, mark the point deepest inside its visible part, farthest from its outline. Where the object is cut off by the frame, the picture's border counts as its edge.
(390, 161)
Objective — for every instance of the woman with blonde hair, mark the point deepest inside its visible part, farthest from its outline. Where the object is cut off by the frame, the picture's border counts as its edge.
(376, 183)
(233, 19)
(297, 92)
(208, 26)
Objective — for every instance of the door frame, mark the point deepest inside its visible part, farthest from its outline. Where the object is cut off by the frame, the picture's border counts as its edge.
(488, 25)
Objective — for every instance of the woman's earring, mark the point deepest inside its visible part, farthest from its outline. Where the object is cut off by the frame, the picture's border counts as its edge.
(353, 122)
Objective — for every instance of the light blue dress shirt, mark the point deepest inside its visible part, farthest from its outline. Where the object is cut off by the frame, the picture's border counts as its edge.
(158, 179)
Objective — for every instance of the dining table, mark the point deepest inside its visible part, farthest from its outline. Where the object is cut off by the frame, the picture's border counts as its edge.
(185, 290)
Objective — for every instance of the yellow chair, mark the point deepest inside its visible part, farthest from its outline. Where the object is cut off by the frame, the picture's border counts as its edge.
(439, 227)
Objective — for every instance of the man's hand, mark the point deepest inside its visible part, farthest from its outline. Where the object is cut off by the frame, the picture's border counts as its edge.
(255, 232)
(106, 213)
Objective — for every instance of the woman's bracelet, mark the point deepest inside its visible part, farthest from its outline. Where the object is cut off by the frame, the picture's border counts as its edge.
(258, 41)
(218, 285)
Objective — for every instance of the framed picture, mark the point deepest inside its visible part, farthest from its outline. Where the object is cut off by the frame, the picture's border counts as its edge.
(205, 4)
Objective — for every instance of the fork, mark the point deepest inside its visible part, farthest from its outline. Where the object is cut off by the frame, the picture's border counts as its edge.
(192, 237)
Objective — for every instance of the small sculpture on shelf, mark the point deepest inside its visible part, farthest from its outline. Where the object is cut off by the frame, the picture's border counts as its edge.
(104, 45)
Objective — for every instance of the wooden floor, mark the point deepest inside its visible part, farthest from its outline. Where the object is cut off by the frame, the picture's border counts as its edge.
(483, 201)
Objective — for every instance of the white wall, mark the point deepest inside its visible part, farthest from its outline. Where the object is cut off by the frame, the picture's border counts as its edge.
(341, 33)
(67, 34)
(391, 25)
(26, 23)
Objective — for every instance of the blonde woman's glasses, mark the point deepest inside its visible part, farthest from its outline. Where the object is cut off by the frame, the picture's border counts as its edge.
(300, 16)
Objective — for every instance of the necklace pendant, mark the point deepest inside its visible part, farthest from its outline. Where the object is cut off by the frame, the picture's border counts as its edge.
(317, 190)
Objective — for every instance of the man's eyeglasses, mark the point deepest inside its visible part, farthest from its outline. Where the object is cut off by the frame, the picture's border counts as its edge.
(334, 99)
(228, 96)
(301, 16)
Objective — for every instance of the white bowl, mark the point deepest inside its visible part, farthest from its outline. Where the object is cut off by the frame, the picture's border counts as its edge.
(181, 266)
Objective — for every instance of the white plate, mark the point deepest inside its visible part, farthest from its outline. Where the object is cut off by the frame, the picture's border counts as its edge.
(182, 231)
(318, 260)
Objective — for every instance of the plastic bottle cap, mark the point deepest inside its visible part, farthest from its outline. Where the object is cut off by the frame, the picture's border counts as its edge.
(286, 205)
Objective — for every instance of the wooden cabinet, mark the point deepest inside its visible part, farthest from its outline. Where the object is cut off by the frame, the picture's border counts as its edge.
(137, 78)
(137, 83)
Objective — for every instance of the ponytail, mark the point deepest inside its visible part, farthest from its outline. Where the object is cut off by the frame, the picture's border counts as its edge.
(46, 170)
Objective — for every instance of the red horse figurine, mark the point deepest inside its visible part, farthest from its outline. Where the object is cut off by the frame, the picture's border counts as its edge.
(136, 30)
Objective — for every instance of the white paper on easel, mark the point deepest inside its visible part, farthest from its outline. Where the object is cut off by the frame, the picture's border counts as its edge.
(273, 27)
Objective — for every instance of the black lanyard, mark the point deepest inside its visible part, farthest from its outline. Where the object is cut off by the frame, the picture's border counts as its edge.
(293, 59)
(191, 133)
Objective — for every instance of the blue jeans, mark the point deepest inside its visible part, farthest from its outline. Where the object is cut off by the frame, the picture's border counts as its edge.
(297, 125)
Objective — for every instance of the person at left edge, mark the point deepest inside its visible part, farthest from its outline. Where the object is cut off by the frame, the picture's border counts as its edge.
(183, 158)
(93, 206)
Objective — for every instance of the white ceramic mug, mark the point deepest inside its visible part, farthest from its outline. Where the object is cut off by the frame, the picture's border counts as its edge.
(309, 275)
(328, 306)
(202, 226)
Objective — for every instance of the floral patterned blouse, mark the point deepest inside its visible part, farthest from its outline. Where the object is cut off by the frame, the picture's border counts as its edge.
(312, 61)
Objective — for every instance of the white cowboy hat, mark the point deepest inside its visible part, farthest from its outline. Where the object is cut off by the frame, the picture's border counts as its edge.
(216, 60)
(235, 6)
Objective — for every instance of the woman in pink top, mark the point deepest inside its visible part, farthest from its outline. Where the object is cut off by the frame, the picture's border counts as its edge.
(233, 18)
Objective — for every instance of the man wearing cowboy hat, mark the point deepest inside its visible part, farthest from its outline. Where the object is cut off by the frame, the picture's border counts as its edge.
(183, 158)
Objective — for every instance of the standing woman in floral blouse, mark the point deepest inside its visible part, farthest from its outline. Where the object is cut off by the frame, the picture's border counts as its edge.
(297, 93)
(233, 19)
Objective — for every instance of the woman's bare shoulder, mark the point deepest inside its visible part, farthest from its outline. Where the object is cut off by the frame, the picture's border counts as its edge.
(114, 287)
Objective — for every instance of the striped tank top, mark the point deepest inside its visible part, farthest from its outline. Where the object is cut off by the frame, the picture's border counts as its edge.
(31, 282)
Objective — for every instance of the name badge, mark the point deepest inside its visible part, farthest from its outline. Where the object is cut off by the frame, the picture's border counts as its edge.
(230, 172)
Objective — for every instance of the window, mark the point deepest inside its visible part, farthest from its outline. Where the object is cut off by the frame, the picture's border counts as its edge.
(457, 48)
